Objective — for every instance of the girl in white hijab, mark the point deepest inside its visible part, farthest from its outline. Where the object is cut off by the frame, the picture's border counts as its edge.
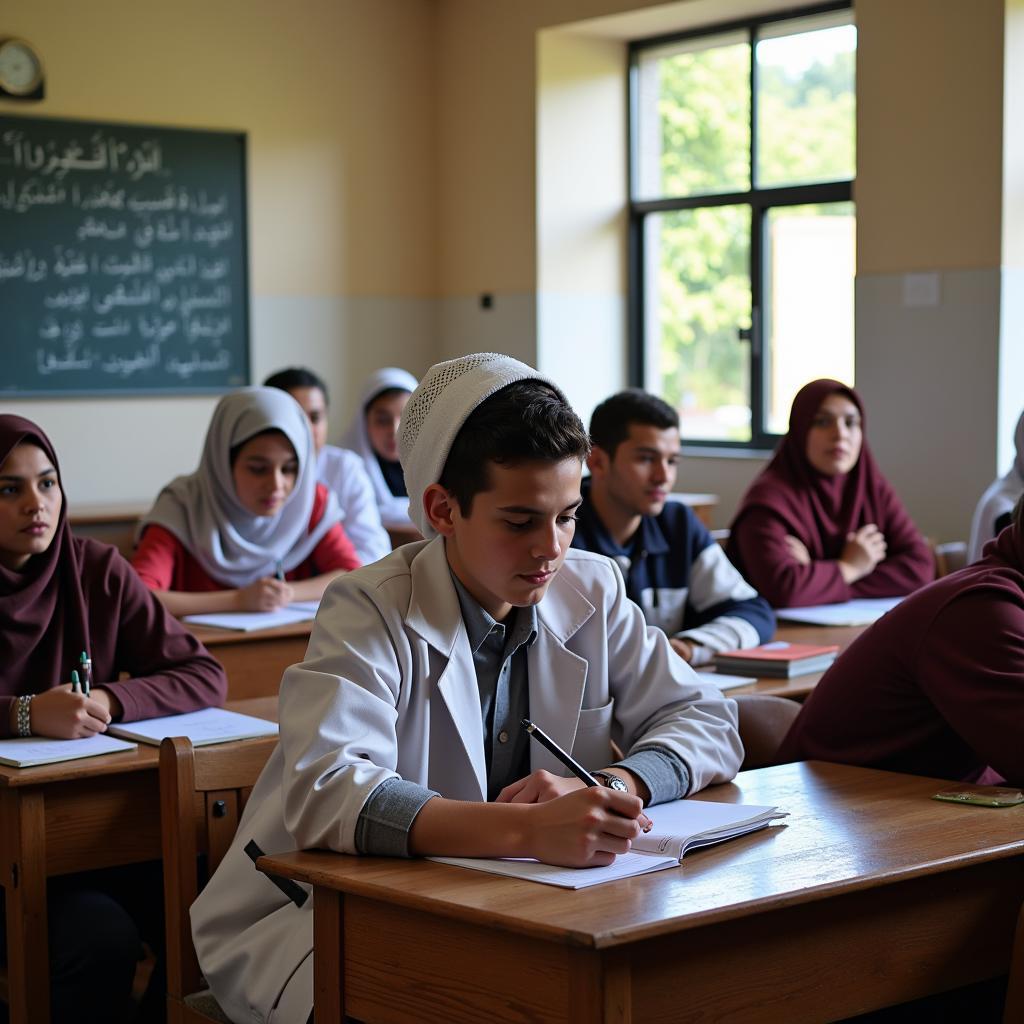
(373, 433)
(998, 500)
(250, 529)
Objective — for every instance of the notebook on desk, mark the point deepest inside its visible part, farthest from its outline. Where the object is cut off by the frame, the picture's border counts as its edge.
(779, 658)
(300, 611)
(679, 826)
(861, 612)
(211, 725)
(36, 750)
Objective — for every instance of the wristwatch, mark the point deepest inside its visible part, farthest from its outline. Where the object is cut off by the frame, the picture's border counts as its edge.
(611, 780)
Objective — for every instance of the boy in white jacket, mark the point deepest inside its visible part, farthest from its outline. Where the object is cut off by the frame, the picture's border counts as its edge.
(400, 732)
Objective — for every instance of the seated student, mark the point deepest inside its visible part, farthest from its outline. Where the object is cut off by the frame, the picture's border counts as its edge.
(996, 504)
(400, 733)
(373, 433)
(674, 569)
(820, 524)
(341, 470)
(935, 687)
(61, 596)
(250, 529)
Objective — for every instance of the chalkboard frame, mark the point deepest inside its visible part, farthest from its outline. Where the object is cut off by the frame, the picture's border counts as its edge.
(240, 307)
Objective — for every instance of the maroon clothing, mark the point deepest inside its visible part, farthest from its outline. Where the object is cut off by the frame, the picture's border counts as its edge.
(936, 687)
(80, 595)
(791, 498)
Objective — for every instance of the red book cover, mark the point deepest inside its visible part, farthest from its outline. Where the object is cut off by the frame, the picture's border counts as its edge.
(780, 651)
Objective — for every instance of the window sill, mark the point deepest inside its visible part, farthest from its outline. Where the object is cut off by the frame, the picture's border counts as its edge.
(690, 451)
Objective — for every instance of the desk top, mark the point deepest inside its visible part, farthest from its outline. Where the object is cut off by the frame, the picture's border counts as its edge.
(145, 757)
(849, 829)
(212, 636)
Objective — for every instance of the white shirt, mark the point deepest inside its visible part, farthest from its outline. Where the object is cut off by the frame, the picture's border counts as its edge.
(343, 472)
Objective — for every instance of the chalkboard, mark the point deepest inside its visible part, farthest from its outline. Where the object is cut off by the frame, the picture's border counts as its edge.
(123, 264)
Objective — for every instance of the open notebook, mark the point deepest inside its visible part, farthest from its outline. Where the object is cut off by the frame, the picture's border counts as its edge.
(211, 725)
(679, 826)
(246, 622)
(25, 753)
(861, 612)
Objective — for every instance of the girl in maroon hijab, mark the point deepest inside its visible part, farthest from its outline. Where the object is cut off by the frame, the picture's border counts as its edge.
(936, 687)
(821, 524)
(61, 596)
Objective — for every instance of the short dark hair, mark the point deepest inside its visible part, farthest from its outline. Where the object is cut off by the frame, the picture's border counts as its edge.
(297, 377)
(526, 421)
(611, 420)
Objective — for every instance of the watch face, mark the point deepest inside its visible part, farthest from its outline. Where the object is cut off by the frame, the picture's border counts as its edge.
(20, 69)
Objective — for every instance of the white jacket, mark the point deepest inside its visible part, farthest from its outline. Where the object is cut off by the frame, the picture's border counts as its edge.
(388, 688)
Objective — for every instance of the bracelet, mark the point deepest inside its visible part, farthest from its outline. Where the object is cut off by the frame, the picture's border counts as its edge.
(23, 715)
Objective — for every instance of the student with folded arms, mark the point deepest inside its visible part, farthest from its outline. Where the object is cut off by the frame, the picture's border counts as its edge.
(935, 687)
(250, 529)
(674, 569)
(996, 504)
(820, 524)
(373, 434)
(61, 596)
(339, 469)
(401, 733)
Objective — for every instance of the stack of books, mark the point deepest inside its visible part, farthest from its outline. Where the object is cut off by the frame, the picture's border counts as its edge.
(778, 659)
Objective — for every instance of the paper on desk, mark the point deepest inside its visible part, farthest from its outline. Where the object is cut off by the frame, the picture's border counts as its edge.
(301, 611)
(211, 725)
(861, 612)
(624, 866)
(724, 681)
(23, 753)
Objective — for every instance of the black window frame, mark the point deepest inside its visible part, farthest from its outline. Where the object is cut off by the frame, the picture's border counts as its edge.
(759, 200)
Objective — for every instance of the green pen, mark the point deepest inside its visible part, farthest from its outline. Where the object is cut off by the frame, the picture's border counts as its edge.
(279, 574)
(75, 688)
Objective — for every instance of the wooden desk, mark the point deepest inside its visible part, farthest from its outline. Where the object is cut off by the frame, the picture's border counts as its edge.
(94, 812)
(872, 894)
(254, 662)
(703, 505)
(798, 687)
(112, 524)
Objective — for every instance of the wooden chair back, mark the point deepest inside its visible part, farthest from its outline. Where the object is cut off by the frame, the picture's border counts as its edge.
(764, 722)
(203, 791)
(949, 557)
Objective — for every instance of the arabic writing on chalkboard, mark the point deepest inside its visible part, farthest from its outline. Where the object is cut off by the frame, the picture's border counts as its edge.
(122, 258)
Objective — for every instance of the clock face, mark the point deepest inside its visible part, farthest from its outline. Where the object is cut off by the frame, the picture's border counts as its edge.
(20, 69)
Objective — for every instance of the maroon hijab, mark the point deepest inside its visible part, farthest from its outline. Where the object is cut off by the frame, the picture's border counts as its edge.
(819, 509)
(43, 623)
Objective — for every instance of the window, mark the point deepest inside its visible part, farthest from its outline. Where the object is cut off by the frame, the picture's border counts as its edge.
(742, 240)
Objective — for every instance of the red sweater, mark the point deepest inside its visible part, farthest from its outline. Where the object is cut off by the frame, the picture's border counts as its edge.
(164, 563)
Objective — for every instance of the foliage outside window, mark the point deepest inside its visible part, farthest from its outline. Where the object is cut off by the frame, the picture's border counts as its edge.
(742, 220)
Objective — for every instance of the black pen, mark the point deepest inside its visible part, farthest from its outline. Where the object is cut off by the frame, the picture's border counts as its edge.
(568, 760)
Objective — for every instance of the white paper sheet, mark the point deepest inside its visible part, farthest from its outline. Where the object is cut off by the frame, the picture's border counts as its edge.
(724, 681)
(23, 753)
(248, 621)
(211, 725)
(625, 866)
(861, 612)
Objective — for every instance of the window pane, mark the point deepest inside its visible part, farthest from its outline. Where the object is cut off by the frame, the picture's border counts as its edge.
(693, 121)
(808, 323)
(697, 301)
(806, 103)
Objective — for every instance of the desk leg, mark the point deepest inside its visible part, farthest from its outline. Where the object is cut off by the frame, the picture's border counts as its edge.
(328, 955)
(600, 987)
(28, 966)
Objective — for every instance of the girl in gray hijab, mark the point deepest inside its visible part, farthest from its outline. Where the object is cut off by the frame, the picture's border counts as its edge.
(996, 504)
(250, 529)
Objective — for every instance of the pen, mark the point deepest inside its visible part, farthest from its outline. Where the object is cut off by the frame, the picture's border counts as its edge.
(570, 762)
(75, 688)
(279, 574)
(85, 673)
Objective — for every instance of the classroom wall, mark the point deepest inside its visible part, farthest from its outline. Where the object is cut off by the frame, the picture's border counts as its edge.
(337, 98)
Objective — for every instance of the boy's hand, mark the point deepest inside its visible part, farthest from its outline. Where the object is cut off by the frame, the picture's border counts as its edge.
(538, 787)
(585, 828)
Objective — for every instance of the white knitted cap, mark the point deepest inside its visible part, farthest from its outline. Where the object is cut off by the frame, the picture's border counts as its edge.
(435, 412)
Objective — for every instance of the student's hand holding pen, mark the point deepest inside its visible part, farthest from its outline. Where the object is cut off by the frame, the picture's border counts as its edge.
(61, 714)
(265, 595)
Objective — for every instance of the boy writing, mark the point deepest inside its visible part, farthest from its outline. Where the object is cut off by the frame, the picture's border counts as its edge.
(400, 733)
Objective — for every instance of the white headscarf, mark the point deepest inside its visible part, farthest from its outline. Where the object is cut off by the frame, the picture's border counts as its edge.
(202, 510)
(1001, 496)
(394, 510)
(439, 406)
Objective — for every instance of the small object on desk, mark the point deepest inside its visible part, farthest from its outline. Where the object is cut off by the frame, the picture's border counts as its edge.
(24, 753)
(682, 825)
(982, 796)
(211, 725)
(861, 612)
(724, 681)
(779, 658)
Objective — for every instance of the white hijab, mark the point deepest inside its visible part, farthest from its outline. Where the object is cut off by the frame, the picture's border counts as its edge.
(1001, 496)
(202, 510)
(394, 510)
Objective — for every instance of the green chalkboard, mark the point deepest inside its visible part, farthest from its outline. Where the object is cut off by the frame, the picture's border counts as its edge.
(123, 265)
